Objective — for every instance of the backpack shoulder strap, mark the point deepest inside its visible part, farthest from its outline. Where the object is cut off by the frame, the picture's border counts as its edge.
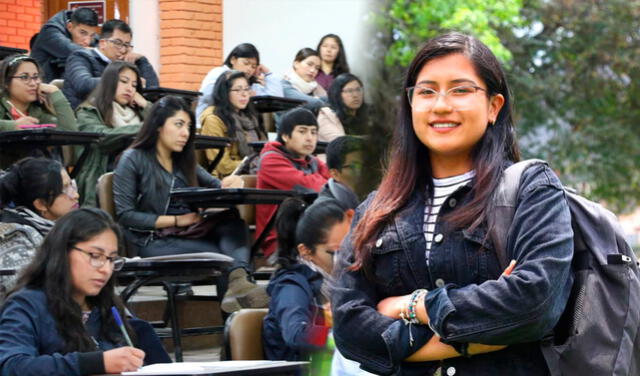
(504, 201)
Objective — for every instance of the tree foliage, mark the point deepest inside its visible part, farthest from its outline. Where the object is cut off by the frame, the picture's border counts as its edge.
(576, 78)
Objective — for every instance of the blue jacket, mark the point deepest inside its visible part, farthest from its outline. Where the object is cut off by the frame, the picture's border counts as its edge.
(83, 71)
(31, 345)
(53, 45)
(468, 301)
(294, 292)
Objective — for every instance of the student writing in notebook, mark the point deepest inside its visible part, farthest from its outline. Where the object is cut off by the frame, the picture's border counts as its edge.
(58, 320)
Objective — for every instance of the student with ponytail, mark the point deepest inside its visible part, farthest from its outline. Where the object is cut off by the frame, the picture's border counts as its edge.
(308, 237)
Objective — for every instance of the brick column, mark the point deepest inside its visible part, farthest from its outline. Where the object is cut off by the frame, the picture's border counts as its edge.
(19, 20)
(190, 41)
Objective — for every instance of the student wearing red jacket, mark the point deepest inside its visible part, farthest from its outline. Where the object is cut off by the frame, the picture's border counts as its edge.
(287, 164)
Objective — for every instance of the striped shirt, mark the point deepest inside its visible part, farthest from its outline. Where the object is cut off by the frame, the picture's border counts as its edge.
(442, 189)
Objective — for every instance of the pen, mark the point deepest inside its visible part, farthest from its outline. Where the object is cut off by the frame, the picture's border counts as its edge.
(120, 324)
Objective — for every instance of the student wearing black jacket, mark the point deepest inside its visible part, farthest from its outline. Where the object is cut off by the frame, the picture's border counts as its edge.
(67, 31)
(84, 67)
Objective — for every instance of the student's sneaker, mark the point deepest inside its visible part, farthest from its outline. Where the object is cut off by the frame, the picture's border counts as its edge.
(243, 293)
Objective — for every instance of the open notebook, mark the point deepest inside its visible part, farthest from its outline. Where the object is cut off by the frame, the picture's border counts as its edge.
(185, 257)
(194, 368)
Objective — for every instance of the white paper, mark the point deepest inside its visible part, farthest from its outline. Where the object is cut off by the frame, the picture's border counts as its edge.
(186, 368)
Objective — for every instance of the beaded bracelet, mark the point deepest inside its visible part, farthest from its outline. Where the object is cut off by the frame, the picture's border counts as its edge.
(408, 311)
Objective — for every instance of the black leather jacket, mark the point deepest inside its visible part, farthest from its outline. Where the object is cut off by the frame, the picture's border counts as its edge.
(141, 188)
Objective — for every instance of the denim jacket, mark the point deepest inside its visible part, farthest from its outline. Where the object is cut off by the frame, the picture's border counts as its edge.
(468, 300)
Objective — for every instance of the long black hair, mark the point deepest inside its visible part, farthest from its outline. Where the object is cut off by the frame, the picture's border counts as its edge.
(50, 271)
(147, 137)
(335, 96)
(340, 65)
(224, 108)
(30, 179)
(300, 223)
(104, 94)
(410, 161)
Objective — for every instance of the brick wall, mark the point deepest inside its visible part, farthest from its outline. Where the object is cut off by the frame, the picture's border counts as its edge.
(19, 20)
(190, 41)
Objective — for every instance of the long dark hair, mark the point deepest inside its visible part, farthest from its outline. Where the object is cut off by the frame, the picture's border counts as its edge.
(335, 96)
(104, 94)
(409, 159)
(224, 108)
(340, 65)
(30, 179)
(8, 68)
(50, 271)
(147, 137)
(300, 223)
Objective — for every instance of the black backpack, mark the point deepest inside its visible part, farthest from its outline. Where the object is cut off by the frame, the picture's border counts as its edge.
(598, 331)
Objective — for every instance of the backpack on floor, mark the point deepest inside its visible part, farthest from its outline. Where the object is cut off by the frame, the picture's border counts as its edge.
(598, 332)
(18, 244)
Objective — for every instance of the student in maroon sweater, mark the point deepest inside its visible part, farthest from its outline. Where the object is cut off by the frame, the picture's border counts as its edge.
(287, 164)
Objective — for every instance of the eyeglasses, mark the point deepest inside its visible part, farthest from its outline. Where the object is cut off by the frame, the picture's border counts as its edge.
(25, 78)
(71, 190)
(460, 98)
(355, 91)
(246, 90)
(120, 44)
(97, 260)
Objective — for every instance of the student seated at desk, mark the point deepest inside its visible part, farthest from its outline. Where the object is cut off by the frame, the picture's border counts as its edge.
(334, 60)
(287, 164)
(34, 193)
(344, 160)
(116, 108)
(232, 117)
(244, 58)
(299, 315)
(26, 101)
(84, 67)
(347, 112)
(65, 32)
(58, 319)
(300, 82)
(160, 160)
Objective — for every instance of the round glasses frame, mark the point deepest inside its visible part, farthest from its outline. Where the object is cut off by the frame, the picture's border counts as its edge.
(459, 97)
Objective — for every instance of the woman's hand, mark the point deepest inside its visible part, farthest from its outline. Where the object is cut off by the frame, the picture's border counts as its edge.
(26, 120)
(44, 90)
(122, 359)
(188, 219)
(232, 181)
(393, 305)
(138, 100)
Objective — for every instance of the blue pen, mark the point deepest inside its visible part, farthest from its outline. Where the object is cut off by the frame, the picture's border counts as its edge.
(120, 324)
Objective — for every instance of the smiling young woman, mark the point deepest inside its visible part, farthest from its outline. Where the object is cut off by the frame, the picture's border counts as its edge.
(420, 282)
